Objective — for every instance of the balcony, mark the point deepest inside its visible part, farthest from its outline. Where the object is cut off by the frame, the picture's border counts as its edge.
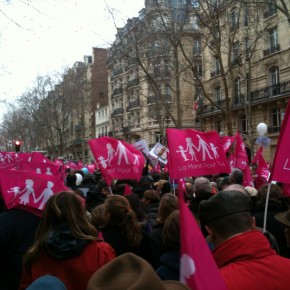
(239, 100)
(271, 49)
(119, 111)
(271, 11)
(215, 73)
(152, 99)
(133, 82)
(210, 108)
(274, 129)
(117, 71)
(134, 105)
(79, 127)
(235, 61)
(269, 92)
(116, 92)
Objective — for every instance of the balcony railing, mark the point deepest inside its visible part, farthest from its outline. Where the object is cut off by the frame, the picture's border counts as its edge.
(133, 105)
(273, 129)
(239, 100)
(116, 92)
(236, 61)
(154, 98)
(271, 91)
(132, 83)
(209, 108)
(117, 71)
(271, 11)
(116, 112)
(215, 73)
(271, 49)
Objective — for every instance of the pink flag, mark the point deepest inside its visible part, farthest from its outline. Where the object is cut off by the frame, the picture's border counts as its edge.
(28, 190)
(40, 168)
(241, 157)
(80, 164)
(39, 157)
(194, 153)
(248, 179)
(127, 189)
(281, 164)
(9, 160)
(263, 171)
(197, 266)
(227, 141)
(117, 159)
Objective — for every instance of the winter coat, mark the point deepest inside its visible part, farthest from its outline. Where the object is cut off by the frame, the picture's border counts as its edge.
(71, 260)
(247, 262)
(17, 231)
(170, 265)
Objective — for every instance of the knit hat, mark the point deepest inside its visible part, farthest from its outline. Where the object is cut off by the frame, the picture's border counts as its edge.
(283, 217)
(130, 272)
(223, 204)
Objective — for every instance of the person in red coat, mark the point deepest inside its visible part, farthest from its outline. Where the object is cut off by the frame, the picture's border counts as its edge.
(242, 253)
(66, 245)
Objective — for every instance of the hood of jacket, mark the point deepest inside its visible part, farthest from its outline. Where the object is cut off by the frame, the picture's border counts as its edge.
(61, 244)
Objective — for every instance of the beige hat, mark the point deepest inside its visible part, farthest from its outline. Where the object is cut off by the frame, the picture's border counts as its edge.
(130, 272)
(283, 217)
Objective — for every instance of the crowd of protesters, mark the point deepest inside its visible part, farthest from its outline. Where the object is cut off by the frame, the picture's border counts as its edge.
(92, 236)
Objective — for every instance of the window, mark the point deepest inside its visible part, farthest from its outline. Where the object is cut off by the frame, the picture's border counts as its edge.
(271, 9)
(238, 96)
(198, 70)
(197, 47)
(246, 15)
(244, 125)
(218, 95)
(216, 65)
(235, 53)
(234, 17)
(276, 119)
(247, 48)
(273, 38)
(274, 81)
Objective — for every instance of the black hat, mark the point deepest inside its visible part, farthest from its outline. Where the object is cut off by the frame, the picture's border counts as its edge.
(223, 204)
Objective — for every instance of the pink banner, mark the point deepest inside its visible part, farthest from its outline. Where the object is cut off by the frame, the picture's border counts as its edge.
(227, 141)
(9, 160)
(28, 190)
(194, 153)
(281, 164)
(117, 159)
(39, 157)
(198, 270)
(40, 168)
(241, 157)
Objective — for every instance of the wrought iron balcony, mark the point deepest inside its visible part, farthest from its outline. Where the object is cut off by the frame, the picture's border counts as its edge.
(215, 73)
(154, 98)
(134, 104)
(239, 100)
(271, 49)
(271, 91)
(132, 83)
(116, 92)
(119, 111)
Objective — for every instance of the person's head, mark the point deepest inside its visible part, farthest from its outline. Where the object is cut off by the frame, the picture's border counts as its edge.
(171, 231)
(276, 193)
(62, 208)
(236, 176)
(136, 206)
(202, 185)
(226, 214)
(129, 271)
(150, 196)
(103, 188)
(118, 213)
(98, 219)
(168, 203)
(189, 190)
(284, 219)
(236, 187)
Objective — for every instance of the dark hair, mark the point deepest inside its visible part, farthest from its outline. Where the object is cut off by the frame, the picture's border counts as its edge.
(171, 231)
(121, 215)
(230, 225)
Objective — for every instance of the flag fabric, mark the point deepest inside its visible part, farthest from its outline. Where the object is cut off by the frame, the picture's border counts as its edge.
(117, 159)
(248, 179)
(194, 153)
(40, 168)
(28, 190)
(9, 160)
(39, 157)
(198, 269)
(263, 171)
(240, 156)
(281, 164)
(227, 142)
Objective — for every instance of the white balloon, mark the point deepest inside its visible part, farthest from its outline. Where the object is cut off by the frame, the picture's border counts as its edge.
(262, 129)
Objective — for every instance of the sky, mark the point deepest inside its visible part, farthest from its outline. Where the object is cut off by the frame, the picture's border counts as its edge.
(41, 37)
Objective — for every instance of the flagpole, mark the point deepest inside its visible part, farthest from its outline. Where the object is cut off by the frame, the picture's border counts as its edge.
(266, 208)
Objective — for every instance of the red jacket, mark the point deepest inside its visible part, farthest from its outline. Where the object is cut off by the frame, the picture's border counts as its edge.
(247, 262)
(74, 272)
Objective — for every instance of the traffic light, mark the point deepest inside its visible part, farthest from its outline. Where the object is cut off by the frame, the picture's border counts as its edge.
(17, 146)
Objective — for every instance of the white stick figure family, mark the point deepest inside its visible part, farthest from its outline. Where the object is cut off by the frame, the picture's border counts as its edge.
(189, 153)
(24, 195)
(121, 152)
